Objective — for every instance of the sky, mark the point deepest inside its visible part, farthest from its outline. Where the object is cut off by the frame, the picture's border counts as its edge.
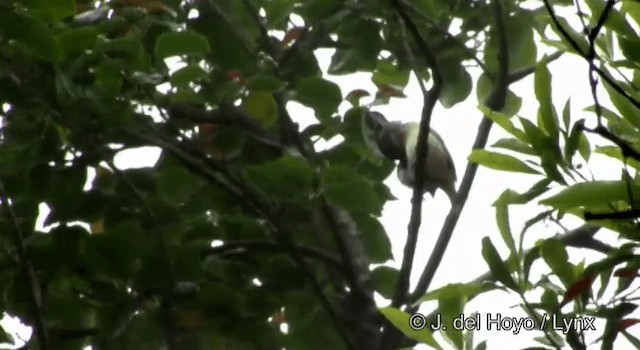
(458, 126)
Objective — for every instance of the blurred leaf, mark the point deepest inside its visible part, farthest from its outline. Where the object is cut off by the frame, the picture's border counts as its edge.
(496, 265)
(589, 194)
(502, 219)
(31, 32)
(181, 43)
(320, 94)
(555, 255)
(187, 74)
(287, 178)
(385, 279)
(346, 188)
(400, 320)
(261, 106)
(265, 83)
(498, 161)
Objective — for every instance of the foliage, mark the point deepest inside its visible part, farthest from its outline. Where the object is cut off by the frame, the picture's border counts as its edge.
(244, 235)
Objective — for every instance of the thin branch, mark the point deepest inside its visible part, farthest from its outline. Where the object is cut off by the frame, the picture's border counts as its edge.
(203, 166)
(430, 98)
(28, 271)
(166, 304)
(496, 102)
(627, 149)
(523, 73)
(618, 215)
(248, 246)
(604, 75)
(580, 237)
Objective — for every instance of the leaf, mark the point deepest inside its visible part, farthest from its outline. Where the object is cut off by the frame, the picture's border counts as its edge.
(322, 95)
(498, 161)
(502, 219)
(385, 279)
(581, 286)
(546, 112)
(346, 188)
(515, 145)
(74, 41)
(573, 141)
(374, 238)
(456, 85)
(265, 83)
(287, 178)
(262, 106)
(628, 111)
(589, 194)
(187, 74)
(504, 121)
(386, 73)
(555, 255)
(51, 11)
(31, 32)
(176, 185)
(496, 265)
(401, 321)
(181, 43)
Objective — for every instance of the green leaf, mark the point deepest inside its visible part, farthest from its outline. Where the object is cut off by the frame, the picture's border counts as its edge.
(278, 11)
(555, 255)
(265, 83)
(187, 74)
(515, 145)
(498, 161)
(630, 48)
(547, 114)
(322, 95)
(626, 108)
(496, 265)
(287, 178)
(181, 43)
(456, 85)
(502, 219)
(386, 73)
(77, 40)
(374, 238)
(262, 106)
(385, 279)
(176, 185)
(31, 32)
(346, 188)
(573, 141)
(590, 194)
(566, 114)
(401, 321)
(615, 20)
(504, 121)
(51, 11)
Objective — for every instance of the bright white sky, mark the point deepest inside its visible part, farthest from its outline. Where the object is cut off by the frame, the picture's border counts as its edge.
(458, 126)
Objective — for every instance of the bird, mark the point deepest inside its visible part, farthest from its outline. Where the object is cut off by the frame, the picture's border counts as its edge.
(397, 141)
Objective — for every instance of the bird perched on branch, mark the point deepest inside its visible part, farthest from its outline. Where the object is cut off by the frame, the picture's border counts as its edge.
(397, 141)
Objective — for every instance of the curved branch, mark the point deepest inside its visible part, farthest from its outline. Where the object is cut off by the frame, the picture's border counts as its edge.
(495, 101)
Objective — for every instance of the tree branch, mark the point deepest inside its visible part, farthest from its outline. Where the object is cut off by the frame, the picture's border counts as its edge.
(28, 271)
(496, 102)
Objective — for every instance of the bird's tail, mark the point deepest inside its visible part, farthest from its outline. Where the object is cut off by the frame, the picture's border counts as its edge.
(451, 192)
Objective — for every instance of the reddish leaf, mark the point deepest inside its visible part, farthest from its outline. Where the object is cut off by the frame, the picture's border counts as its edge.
(626, 272)
(576, 289)
(291, 35)
(626, 323)
(390, 91)
(355, 95)
(236, 76)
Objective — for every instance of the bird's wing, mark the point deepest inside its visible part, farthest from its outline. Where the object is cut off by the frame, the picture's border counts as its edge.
(446, 152)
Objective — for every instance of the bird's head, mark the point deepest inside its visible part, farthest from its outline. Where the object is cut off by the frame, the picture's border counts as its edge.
(389, 137)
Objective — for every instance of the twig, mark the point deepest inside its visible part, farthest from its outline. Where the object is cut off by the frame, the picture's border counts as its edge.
(248, 246)
(28, 271)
